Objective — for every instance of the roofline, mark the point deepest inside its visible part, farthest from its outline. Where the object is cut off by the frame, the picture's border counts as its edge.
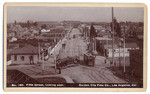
(23, 54)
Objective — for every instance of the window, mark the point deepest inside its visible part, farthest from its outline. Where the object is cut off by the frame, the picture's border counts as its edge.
(22, 58)
(15, 57)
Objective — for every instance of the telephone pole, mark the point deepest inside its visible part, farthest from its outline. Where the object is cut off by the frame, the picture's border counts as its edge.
(39, 50)
(124, 64)
(112, 37)
(43, 63)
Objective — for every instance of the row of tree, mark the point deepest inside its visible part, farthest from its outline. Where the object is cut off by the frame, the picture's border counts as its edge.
(117, 29)
(27, 24)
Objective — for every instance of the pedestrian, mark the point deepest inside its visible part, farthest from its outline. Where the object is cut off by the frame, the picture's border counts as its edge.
(64, 45)
(59, 70)
(115, 64)
(132, 72)
(75, 61)
(31, 59)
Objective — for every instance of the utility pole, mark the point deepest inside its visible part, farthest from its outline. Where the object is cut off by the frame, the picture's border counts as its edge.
(119, 53)
(124, 68)
(112, 37)
(43, 61)
(55, 60)
(39, 51)
(54, 52)
(43, 64)
(95, 43)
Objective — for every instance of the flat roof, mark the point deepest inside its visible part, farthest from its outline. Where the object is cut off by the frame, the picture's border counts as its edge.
(27, 49)
(103, 38)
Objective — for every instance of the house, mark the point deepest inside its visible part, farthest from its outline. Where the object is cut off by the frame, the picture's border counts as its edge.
(15, 27)
(44, 30)
(13, 39)
(103, 34)
(26, 34)
(25, 55)
(140, 37)
(35, 33)
(19, 31)
(11, 33)
(12, 45)
(120, 52)
(55, 34)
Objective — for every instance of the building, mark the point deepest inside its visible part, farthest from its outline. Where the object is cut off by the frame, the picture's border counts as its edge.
(120, 53)
(26, 34)
(15, 27)
(45, 31)
(13, 39)
(74, 24)
(25, 55)
(35, 33)
(11, 33)
(55, 34)
(103, 34)
(102, 41)
(136, 61)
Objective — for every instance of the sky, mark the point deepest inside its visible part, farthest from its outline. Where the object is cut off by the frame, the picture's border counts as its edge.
(84, 14)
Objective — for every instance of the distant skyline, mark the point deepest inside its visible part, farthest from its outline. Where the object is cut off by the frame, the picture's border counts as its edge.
(84, 14)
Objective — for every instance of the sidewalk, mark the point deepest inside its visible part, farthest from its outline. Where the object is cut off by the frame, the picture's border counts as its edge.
(100, 60)
(68, 79)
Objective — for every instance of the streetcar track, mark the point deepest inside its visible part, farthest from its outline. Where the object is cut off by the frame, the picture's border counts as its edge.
(91, 76)
(92, 71)
(102, 74)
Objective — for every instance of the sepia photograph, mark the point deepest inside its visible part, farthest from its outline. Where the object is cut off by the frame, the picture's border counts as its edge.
(74, 46)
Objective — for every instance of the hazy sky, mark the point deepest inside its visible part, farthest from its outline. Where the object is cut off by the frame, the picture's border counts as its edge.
(97, 14)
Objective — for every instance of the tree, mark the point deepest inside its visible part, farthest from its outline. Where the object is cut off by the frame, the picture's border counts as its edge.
(35, 23)
(117, 27)
(92, 31)
(15, 22)
(8, 26)
(43, 26)
(40, 32)
(28, 24)
(140, 24)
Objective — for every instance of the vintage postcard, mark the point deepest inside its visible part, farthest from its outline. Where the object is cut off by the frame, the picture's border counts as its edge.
(75, 47)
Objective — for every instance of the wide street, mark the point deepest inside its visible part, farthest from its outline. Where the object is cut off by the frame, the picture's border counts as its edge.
(75, 46)
(80, 73)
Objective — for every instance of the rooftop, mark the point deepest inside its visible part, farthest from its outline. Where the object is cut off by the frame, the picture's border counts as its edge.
(103, 38)
(110, 46)
(127, 45)
(27, 49)
(131, 45)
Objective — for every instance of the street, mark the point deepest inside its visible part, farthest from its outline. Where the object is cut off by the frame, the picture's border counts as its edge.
(97, 74)
(80, 73)
(75, 46)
